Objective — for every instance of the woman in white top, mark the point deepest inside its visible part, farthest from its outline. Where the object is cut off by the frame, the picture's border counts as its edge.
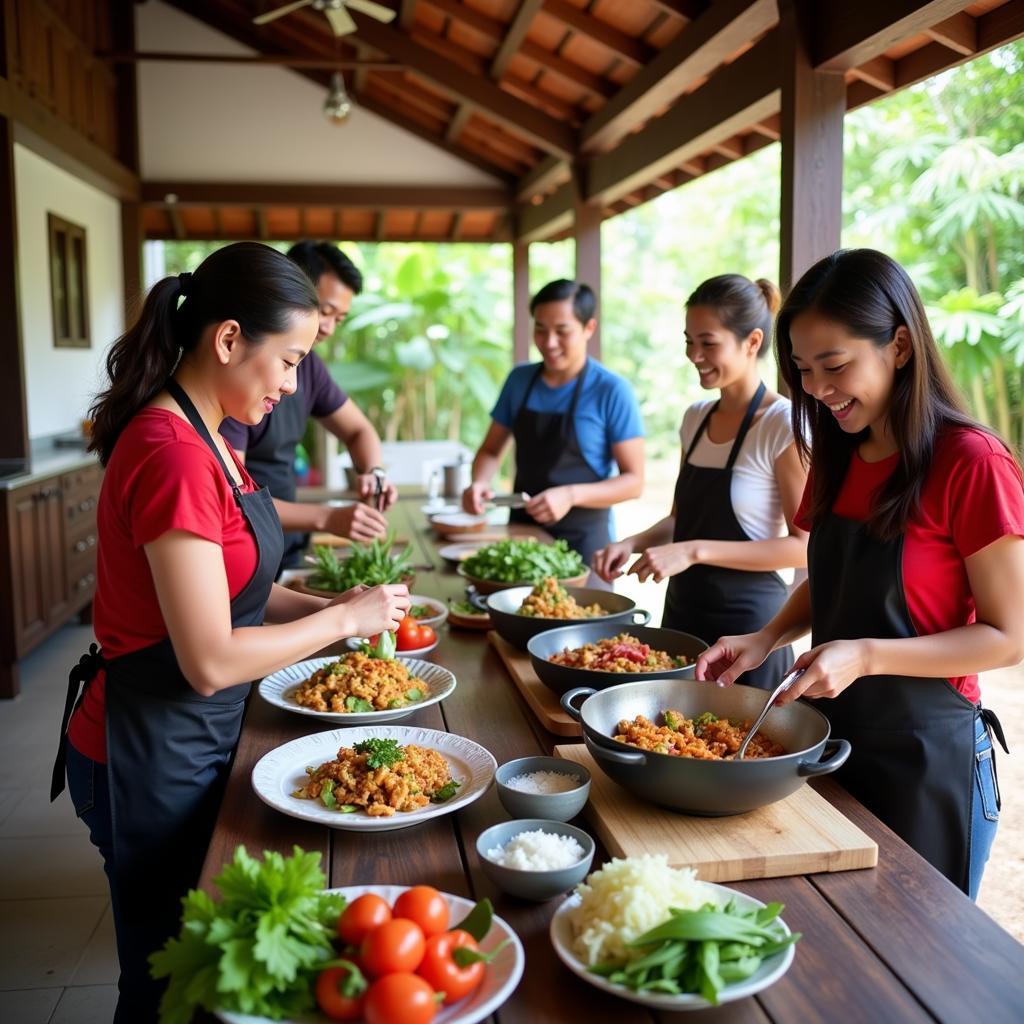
(740, 481)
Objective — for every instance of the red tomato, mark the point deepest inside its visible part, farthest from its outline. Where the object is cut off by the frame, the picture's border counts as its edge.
(361, 916)
(408, 635)
(396, 946)
(400, 999)
(427, 636)
(442, 973)
(339, 996)
(424, 905)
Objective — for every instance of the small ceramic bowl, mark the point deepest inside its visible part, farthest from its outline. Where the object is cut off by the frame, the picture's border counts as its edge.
(550, 806)
(454, 524)
(534, 885)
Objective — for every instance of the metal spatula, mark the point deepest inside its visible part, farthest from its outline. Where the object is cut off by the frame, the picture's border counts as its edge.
(786, 683)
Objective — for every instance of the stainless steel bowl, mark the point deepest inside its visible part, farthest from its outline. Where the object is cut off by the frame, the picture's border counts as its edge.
(561, 678)
(711, 788)
(518, 630)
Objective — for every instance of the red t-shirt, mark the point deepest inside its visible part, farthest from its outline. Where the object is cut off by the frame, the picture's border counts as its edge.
(161, 476)
(973, 495)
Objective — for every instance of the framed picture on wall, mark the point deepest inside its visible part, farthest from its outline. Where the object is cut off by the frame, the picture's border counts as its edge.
(69, 290)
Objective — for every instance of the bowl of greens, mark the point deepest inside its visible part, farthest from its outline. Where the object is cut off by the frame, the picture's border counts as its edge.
(373, 564)
(516, 563)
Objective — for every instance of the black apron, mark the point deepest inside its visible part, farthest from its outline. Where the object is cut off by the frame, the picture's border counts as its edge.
(168, 755)
(710, 601)
(913, 739)
(548, 454)
(271, 460)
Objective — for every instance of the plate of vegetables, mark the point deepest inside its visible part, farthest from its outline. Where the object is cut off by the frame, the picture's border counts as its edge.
(343, 690)
(413, 639)
(278, 946)
(466, 615)
(427, 611)
(380, 561)
(516, 563)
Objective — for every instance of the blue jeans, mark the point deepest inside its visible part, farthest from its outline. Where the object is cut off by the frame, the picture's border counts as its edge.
(984, 807)
(138, 993)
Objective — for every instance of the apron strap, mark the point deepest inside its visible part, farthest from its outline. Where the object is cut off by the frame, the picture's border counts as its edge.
(177, 392)
(994, 726)
(86, 669)
(748, 419)
(700, 431)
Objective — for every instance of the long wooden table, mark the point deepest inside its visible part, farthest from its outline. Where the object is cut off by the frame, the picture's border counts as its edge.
(890, 944)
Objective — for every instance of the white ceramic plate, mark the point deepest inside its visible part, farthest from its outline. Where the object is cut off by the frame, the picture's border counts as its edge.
(500, 977)
(354, 643)
(438, 609)
(460, 552)
(279, 689)
(456, 521)
(769, 972)
(283, 770)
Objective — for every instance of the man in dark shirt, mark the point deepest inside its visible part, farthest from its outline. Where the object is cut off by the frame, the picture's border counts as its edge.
(268, 448)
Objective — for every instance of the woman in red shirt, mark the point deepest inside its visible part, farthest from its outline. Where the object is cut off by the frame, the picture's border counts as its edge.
(915, 560)
(186, 610)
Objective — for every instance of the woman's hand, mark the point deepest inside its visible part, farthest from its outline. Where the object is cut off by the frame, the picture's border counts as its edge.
(374, 609)
(551, 505)
(474, 497)
(729, 657)
(366, 488)
(666, 560)
(828, 669)
(347, 595)
(608, 562)
(358, 522)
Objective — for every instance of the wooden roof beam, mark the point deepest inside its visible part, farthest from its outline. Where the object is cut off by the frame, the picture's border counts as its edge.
(688, 9)
(548, 174)
(544, 131)
(693, 54)
(352, 197)
(458, 122)
(537, 222)
(849, 35)
(456, 229)
(515, 34)
(569, 70)
(959, 33)
(633, 50)
(407, 14)
(879, 72)
(746, 91)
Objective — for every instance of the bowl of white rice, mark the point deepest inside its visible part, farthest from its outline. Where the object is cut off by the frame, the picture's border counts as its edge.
(543, 787)
(534, 858)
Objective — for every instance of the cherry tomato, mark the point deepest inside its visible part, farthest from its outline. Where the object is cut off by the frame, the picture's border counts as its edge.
(424, 905)
(396, 946)
(361, 916)
(442, 973)
(400, 999)
(408, 635)
(340, 994)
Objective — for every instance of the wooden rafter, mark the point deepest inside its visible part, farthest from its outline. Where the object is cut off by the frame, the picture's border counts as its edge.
(352, 197)
(246, 60)
(458, 122)
(959, 33)
(879, 72)
(629, 48)
(407, 14)
(568, 70)
(456, 229)
(692, 55)
(515, 34)
(688, 9)
(548, 174)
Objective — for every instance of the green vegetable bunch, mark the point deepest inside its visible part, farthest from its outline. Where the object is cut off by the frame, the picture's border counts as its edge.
(259, 948)
(524, 561)
(372, 564)
(701, 951)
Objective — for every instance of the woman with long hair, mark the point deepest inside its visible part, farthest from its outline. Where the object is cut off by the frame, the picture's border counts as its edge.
(186, 611)
(731, 529)
(915, 560)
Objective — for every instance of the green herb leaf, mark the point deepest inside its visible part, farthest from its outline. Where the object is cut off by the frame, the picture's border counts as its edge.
(527, 561)
(327, 794)
(357, 704)
(446, 792)
(478, 921)
(381, 753)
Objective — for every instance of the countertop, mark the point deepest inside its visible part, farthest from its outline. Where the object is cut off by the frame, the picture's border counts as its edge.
(45, 462)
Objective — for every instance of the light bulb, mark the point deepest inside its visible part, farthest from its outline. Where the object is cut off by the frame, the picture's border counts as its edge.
(337, 106)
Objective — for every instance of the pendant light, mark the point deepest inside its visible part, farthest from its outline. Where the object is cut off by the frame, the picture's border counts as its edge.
(337, 106)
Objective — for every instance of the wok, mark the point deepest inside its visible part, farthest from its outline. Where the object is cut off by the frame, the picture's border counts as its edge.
(561, 678)
(518, 630)
(711, 788)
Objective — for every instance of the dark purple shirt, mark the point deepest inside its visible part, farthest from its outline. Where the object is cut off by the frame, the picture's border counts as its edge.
(315, 389)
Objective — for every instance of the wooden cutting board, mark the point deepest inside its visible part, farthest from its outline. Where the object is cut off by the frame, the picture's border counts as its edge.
(802, 834)
(543, 702)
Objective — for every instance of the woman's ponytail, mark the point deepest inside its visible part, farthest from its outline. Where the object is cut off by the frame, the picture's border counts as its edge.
(138, 365)
(741, 304)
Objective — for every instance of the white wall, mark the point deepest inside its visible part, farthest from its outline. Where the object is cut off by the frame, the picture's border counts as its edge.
(62, 381)
(222, 122)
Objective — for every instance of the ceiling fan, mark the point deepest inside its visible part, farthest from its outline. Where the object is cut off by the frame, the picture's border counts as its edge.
(334, 10)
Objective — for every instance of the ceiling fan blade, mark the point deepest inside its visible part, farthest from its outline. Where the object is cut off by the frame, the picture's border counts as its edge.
(341, 21)
(378, 11)
(280, 12)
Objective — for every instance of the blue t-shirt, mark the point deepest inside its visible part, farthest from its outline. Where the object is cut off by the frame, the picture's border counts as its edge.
(606, 413)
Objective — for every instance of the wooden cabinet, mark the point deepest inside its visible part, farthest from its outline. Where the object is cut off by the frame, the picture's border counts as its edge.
(48, 553)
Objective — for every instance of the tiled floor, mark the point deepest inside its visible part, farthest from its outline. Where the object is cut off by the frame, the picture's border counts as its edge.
(59, 964)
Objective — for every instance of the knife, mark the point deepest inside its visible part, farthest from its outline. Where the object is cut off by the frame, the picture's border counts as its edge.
(509, 500)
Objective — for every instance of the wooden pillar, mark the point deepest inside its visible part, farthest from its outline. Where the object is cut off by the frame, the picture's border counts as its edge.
(587, 232)
(14, 445)
(813, 105)
(131, 257)
(521, 320)
(123, 28)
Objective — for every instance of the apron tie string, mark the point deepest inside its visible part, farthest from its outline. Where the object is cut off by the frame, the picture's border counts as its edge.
(994, 726)
(86, 669)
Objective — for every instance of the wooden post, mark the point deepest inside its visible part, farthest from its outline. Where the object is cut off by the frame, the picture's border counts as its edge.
(131, 257)
(14, 443)
(521, 333)
(813, 105)
(587, 232)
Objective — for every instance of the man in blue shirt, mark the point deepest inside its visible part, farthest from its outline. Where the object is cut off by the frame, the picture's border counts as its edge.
(574, 422)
